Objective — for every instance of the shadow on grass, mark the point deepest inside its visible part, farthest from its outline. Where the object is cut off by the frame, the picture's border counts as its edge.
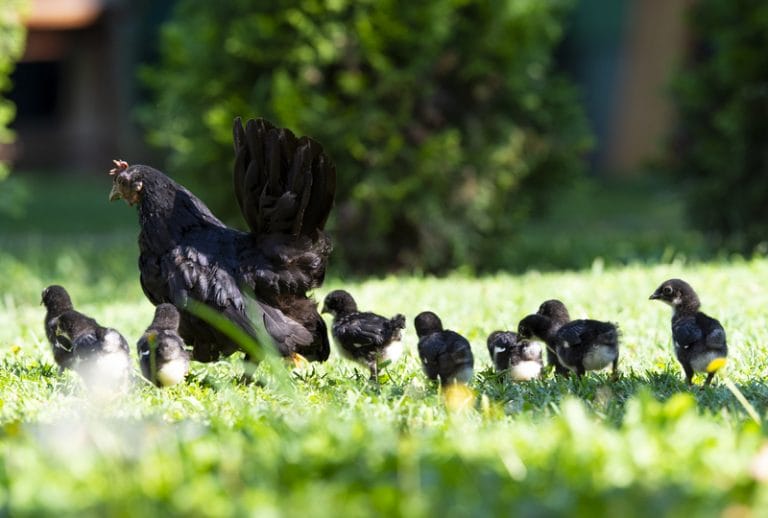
(607, 398)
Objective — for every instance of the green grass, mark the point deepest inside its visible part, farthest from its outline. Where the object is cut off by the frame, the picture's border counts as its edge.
(322, 441)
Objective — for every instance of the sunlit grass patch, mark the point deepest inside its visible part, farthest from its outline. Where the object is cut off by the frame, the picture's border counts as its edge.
(321, 440)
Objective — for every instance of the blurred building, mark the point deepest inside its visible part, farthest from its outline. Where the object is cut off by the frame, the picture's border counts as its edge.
(653, 46)
(76, 88)
(622, 54)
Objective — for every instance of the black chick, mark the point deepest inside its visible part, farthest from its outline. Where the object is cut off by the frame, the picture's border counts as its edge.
(57, 301)
(444, 354)
(285, 188)
(544, 326)
(500, 344)
(699, 339)
(364, 337)
(580, 345)
(100, 355)
(521, 357)
(163, 359)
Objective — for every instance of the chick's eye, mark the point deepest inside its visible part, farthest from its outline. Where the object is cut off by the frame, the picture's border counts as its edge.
(667, 290)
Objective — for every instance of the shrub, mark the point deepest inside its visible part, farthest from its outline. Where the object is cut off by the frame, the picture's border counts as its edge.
(11, 47)
(722, 99)
(445, 118)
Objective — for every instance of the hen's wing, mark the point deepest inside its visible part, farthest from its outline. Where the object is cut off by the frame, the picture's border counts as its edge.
(286, 332)
(187, 273)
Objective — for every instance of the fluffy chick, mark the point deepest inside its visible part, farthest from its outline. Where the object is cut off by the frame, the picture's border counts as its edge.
(444, 354)
(163, 359)
(699, 339)
(553, 316)
(364, 337)
(521, 357)
(500, 345)
(580, 345)
(57, 301)
(100, 355)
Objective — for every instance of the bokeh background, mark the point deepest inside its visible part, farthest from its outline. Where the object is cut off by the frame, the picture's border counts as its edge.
(471, 135)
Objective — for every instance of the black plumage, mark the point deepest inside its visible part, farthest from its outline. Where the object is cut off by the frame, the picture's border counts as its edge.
(580, 345)
(500, 344)
(57, 301)
(698, 338)
(444, 354)
(364, 337)
(162, 356)
(522, 358)
(99, 354)
(549, 318)
(284, 187)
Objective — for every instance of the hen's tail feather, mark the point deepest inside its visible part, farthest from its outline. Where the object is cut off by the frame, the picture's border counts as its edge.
(282, 184)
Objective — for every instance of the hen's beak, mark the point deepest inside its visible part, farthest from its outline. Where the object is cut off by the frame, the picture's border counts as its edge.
(114, 194)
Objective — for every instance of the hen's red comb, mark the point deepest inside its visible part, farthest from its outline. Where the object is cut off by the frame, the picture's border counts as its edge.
(120, 165)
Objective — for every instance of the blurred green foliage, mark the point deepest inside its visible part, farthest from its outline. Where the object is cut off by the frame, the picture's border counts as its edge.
(608, 223)
(446, 119)
(11, 48)
(722, 99)
(665, 460)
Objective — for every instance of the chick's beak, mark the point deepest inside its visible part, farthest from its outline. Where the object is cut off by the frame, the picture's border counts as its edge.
(656, 295)
(114, 194)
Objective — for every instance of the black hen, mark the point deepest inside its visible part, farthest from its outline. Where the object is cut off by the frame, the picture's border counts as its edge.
(580, 345)
(444, 354)
(364, 337)
(522, 358)
(163, 359)
(285, 188)
(698, 338)
(99, 354)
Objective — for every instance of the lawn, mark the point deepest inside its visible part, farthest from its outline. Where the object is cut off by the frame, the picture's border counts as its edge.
(322, 441)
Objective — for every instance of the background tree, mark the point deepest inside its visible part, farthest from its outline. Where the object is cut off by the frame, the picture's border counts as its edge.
(446, 119)
(722, 97)
(11, 48)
